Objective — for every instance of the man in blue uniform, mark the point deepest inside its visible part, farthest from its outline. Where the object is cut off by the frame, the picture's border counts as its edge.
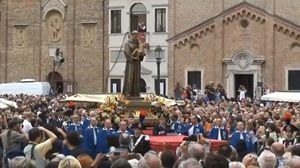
(106, 132)
(240, 135)
(177, 126)
(194, 128)
(218, 132)
(123, 129)
(75, 126)
(87, 121)
(91, 138)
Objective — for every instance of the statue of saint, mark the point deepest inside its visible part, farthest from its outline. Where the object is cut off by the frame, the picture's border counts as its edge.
(55, 28)
(134, 52)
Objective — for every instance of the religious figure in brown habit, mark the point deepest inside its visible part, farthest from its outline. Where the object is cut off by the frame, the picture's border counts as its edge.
(134, 51)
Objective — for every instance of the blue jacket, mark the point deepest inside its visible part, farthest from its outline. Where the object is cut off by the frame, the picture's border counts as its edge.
(250, 147)
(177, 127)
(198, 129)
(75, 128)
(89, 141)
(214, 132)
(85, 124)
(103, 135)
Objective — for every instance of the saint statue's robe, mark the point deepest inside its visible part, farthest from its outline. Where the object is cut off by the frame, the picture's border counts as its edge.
(133, 68)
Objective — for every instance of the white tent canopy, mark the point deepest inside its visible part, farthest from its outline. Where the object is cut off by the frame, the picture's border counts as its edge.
(101, 98)
(6, 104)
(282, 96)
(3, 106)
(87, 98)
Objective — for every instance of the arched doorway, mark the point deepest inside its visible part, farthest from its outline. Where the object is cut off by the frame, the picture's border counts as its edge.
(143, 86)
(138, 16)
(56, 82)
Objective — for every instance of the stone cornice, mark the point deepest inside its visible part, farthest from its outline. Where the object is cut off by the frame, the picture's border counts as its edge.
(287, 29)
(245, 11)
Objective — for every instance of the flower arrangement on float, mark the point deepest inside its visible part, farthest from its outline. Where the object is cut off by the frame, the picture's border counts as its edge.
(155, 100)
(150, 98)
(112, 103)
(121, 99)
(156, 103)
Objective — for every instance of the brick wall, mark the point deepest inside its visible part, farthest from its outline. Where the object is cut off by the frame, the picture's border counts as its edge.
(85, 65)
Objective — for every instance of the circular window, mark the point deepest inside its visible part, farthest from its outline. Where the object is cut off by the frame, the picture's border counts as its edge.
(244, 23)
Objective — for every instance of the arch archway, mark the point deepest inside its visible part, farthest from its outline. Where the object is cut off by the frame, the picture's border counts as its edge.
(138, 16)
(143, 86)
(56, 82)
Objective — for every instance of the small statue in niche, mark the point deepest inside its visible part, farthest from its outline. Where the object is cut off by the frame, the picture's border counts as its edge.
(20, 38)
(89, 38)
(55, 27)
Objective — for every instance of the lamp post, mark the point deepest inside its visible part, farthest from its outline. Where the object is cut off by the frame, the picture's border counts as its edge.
(158, 56)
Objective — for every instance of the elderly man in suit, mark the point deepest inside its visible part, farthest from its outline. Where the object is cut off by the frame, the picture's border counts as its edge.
(91, 137)
(75, 125)
(194, 128)
(218, 132)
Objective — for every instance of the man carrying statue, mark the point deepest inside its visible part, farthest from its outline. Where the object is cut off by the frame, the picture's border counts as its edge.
(134, 52)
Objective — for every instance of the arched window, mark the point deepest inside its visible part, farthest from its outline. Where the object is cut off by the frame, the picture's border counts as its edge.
(138, 17)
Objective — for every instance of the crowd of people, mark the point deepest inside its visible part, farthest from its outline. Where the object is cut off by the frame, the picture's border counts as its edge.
(44, 132)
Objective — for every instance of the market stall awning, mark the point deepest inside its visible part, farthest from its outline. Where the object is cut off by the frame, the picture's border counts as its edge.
(282, 96)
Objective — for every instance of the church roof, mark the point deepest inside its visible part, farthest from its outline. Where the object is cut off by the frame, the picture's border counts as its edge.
(230, 14)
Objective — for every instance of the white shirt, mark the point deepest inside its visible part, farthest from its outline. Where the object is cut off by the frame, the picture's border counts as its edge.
(191, 130)
(241, 136)
(95, 135)
(242, 94)
(26, 126)
(219, 134)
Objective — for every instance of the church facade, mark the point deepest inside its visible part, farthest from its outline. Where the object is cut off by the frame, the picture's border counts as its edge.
(238, 42)
(32, 30)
